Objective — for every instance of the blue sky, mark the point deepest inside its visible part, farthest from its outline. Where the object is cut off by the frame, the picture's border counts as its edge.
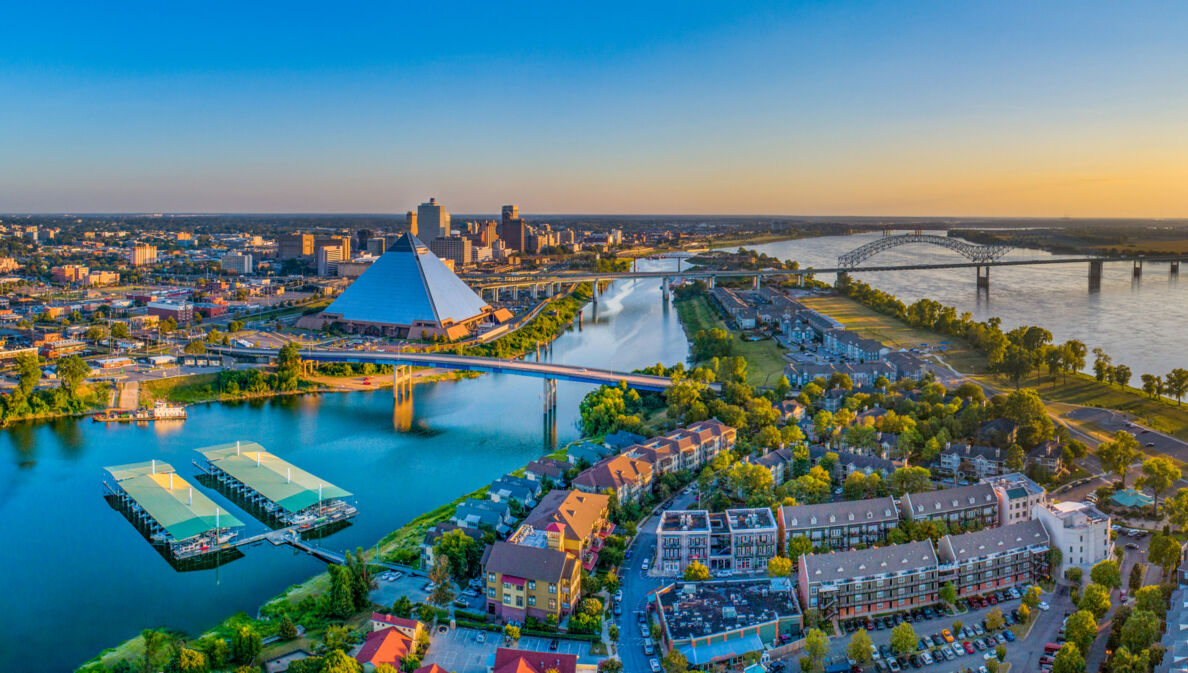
(896, 108)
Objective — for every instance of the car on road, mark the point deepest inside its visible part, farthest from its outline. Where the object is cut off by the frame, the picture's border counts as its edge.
(643, 631)
(648, 649)
(947, 635)
(1044, 606)
(655, 664)
(645, 565)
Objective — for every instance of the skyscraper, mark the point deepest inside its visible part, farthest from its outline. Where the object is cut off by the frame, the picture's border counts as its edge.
(512, 229)
(410, 218)
(432, 220)
(510, 213)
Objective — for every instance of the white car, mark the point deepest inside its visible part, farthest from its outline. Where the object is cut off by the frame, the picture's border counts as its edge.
(989, 655)
(874, 653)
(926, 658)
(655, 664)
(1044, 606)
(645, 565)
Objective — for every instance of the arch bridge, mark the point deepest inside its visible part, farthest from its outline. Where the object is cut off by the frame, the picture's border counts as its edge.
(978, 254)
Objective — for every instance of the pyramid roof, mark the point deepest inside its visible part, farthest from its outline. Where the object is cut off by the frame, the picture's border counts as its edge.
(408, 284)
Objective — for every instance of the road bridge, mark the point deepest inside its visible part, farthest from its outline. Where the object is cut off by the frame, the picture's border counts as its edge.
(550, 371)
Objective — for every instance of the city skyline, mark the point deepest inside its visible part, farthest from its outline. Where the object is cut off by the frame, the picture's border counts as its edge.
(846, 109)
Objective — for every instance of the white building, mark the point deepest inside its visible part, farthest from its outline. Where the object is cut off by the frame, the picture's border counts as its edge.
(433, 221)
(233, 261)
(1017, 497)
(1079, 530)
(328, 259)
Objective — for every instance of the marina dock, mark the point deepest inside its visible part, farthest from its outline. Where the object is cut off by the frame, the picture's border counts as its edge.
(169, 510)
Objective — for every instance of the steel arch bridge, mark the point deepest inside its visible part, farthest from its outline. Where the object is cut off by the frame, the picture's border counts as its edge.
(979, 254)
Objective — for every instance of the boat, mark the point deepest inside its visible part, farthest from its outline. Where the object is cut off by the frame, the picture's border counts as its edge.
(161, 411)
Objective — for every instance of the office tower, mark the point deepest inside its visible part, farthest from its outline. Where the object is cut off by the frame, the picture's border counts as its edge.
(294, 246)
(377, 246)
(410, 218)
(456, 248)
(343, 242)
(236, 262)
(143, 254)
(433, 221)
(328, 258)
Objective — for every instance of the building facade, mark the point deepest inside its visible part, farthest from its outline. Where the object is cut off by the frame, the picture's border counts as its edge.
(871, 581)
(141, 255)
(994, 559)
(525, 581)
(433, 221)
(1079, 530)
(1017, 497)
(841, 525)
(975, 505)
(737, 540)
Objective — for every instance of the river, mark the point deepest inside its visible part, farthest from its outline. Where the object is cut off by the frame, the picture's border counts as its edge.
(79, 578)
(1138, 322)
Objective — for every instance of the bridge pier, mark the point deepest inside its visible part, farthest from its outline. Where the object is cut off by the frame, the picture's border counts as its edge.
(664, 292)
(401, 383)
(757, 283)
(710, 284)
(841, 277)
(1094, 276)
(983, 279)
(594, 294)
(1174, 268)
(550, 396)
(1138, 268)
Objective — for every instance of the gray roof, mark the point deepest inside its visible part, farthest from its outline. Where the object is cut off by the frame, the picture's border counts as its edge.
(775, 458)
(407, 284)
(850, 565)
(536, 563)
(999, 540)
(874, 510)
(930, 503)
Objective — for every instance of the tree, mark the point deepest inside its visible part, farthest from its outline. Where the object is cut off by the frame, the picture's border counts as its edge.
(245, 645)
(402, 607)
(1031, 597)
(675, 662)
(610, 666)
(948, 593)
(1176, 383)
(1081, 629)
(903, 639)
(1176, 508)
(1016, 459)
(859, 647)
(1001, 653)
(779, 567)
(1117, 454)
(196, 347)
(1140, 630)
(1159, 475)
(816, 646)
(1096, 599)
(339, 662)
(910, 479)
(1106, 573)
(120, 330)
(1125, 662)
(1025, 613)
(186, 660)
(512, 632)
(1025, 408)
(696, 572)
(464, 552)
(1068, 660)
(71, 372)
(1152, 385)
(855, 486)
(287, 630)
(1151, 599)
(1122, 375)
(995, 620)
(1164, 551)
(28, 369)
(442, 593)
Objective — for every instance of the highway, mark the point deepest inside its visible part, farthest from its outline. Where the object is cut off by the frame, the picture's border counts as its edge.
(540, 370)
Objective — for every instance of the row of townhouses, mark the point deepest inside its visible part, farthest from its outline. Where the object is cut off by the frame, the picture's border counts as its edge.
(737, 540)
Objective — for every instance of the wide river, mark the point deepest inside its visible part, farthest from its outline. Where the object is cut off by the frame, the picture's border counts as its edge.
(1140, 323)
(77, 577)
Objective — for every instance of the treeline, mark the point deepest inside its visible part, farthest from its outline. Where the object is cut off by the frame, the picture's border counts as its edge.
(549, 323)
(236, 382)
(26, 401)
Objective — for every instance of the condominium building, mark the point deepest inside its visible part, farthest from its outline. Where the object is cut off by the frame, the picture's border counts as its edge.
(571, 521)
(687, 448)
(628, 477)
(995, 558)
(870, 581)
(141, 255)
(433, 221)
(737, 540)
(294, 246)
(841, 525)
(456, 248)
(974, 505)
(972, 460)
(1079, 530)
(239, 263)
(525, 581)
(1017, 497)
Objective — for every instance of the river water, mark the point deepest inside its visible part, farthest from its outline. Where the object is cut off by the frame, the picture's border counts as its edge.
(1138, 322)
(77, 577)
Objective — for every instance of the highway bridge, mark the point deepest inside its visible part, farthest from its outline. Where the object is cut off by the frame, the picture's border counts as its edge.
(550, 371)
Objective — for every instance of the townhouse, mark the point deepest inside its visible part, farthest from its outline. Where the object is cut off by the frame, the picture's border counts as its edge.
(974, 505)
(907, 365)
(547, 468)
(508, 488)
(571, 521)
(474, 513)
(778, 462)
(840, 525)
(861, 374)
(870, 581)
(524, 581)
(628, 477)
(994, 558)
(977, 462)
(849, 462)
(737, 540)
(1048, 455)
(851, 345)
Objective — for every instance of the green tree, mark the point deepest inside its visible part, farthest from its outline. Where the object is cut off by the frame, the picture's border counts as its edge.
(1117, 454)
(1151, 599)
(1122, 375)
(675, 662)
(1164, 551)
(245, 645)
(1096, 599)
(1000, 652)
(1124, 662)
(1176, 384)
(1159, 475)
(995, 620)
(1152, 385)
(610, 666)
(1176, 508)
(28, 370)
(1016, 459)
(339, 662)
(464, 552)
(903, 639)
(779, 567)
(696, 572)
(1081, 629)
(1068, 660)
(1106, 573)
(196, 347)
(120, 330)
(910, 479)
(71, 372)
(156, 644)
(442, 593)
(287, 629)
(402, 607)
(948, 593)
(1025, 408)
(186, 660)
(1140, 631)
(859, 647)
(816, 646)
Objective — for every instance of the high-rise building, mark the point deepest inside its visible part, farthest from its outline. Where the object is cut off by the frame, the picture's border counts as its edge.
(328, 258)
(376, 246)
(236, 262)
(432, 220)
(510, 213)
(142, 254)
(456, 248)
(515, 234)
(410, 218)
(294, 246)
(343, 242)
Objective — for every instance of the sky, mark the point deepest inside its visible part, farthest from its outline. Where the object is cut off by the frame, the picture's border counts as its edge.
(996, 108)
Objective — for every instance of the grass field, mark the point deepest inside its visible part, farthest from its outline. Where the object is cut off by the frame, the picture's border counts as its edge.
(765, 359)
(180, 389)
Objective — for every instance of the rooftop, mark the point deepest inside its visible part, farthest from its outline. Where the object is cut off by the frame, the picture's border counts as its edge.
(288, 486)
(750, 519)
(1004, 539)
(170, 500)
(951, 499)
(1015, 480)
(846, 565)
(536, 563)
(703, 608)
(874, 510)
(1077, 514)
(691, 521)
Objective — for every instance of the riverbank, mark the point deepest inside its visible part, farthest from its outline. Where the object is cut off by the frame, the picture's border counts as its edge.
(92, 396)
(1077, 389)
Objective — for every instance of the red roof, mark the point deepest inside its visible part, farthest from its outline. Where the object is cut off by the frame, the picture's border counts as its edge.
(431, 668)
(387, 646)
(523, 661)
(394, 620)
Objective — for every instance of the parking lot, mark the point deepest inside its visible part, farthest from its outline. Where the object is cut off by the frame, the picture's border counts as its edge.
(460, 651)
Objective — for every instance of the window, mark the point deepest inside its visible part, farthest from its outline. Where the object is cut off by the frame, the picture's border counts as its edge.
(532, 585)
(553, 587)
(532, 600)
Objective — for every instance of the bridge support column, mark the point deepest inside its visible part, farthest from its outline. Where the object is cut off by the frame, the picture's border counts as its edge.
(757, 283)
(664, 292)
(842, 276)
(678, 264)
(710, 282)
(983, 277)
(550, 396)
(594, 294)
(402, 383)
(1094, 276)
(1174, 268)
(1138, 268)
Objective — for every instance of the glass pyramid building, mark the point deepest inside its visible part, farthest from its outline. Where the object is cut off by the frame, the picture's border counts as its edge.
(408, 292)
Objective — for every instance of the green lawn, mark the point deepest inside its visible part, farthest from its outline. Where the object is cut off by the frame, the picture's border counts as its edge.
(765, 359)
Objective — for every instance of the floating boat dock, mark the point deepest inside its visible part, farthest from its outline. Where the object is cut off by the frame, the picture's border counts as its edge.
(170, 511)
(160, 411)
(291, 496)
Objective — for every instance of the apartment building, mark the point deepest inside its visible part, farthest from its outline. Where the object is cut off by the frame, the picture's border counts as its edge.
(977, 462)
(995, 558)
(687, 448)
(524, 581)
(840, 525)
(737, 540)
(571, 521)
(870, 581)
(628, 477)
(1017, 497)
(974, 505)
(1079, 530)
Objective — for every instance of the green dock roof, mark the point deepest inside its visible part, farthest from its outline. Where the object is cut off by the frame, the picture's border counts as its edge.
(173, 502)
(278, 480)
